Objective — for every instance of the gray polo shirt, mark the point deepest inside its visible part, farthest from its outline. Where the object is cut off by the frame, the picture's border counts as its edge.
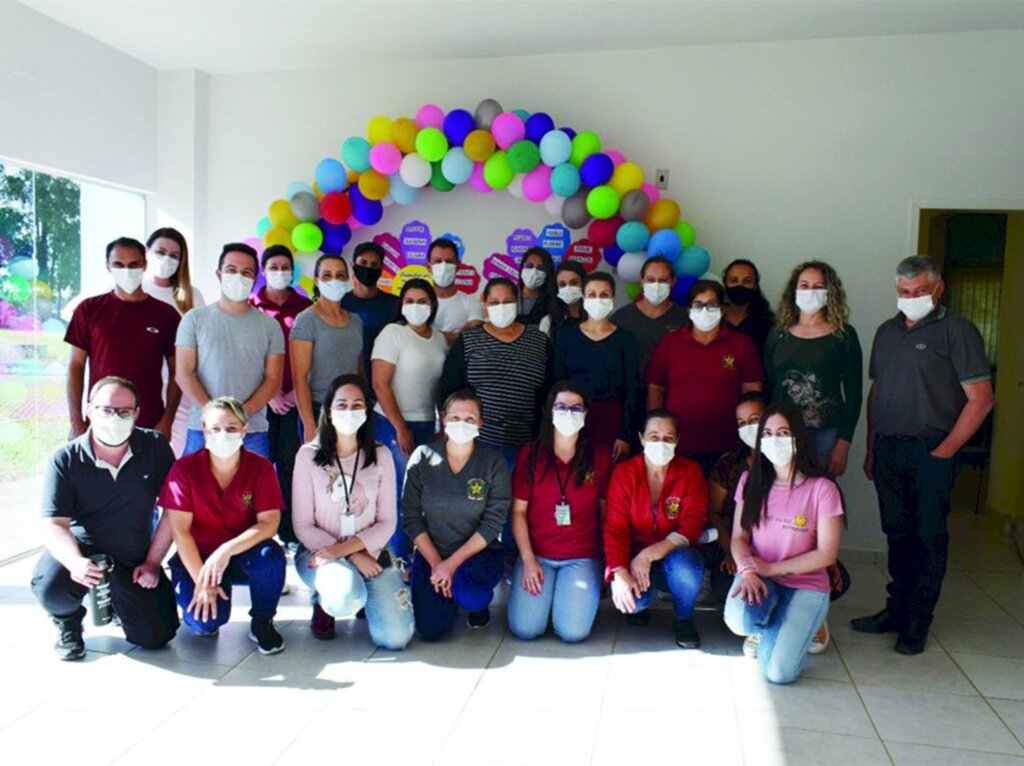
(919, 373)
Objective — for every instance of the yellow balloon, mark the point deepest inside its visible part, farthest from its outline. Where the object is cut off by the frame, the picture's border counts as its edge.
(379, 129)
(41, 289)
(373, 185)
(281, 215)
(277, 236)
(663, 214)
(403, 134)
(479, 145)
(307, 284)
(317, 191)
(626, 177)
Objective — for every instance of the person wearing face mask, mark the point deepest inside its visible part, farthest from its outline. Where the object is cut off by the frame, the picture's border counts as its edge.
(98, 498)
(602, 358)
(456, 310)
(558, 492)
(786, 533)
(168, 279)
(225, 505)
(567, 308)
(326, 341)
(374, 307)
(229, 348)
(127, 334)
(653, 315)
(345, 512)
(746, 309)
(656, 512)
(931, 390)
(536, 286)
(814, 363)
(408, 359)
(699, 372)
(456, 497)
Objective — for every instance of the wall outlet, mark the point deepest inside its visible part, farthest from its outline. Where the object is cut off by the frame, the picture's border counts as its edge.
(661, 178)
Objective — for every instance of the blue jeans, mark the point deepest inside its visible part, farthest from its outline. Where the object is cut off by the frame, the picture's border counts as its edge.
(680, 574)
(822, 442)
(261, 567)
(786, 621)
(472, 589)
(385, 597)
(422, 431)
(254, 442)
(570, 595)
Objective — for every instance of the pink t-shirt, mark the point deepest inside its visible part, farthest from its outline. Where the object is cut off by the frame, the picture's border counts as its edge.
(789, 526)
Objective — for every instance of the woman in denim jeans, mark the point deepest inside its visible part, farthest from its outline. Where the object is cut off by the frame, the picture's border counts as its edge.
(343, 507)
(786, 534)
(558, 493)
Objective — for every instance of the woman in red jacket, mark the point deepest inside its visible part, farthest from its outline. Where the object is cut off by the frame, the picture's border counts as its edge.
(649, 543)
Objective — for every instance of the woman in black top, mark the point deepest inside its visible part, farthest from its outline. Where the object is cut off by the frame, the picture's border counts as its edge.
(536, 285)
(567, 307)
(747, 310)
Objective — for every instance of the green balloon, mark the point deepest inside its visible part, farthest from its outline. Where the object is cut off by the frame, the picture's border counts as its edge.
(603, 202)
(523, 156)
(431, 144)
(497, 172)
(437, 179)
(633, 291)
(583, 145)
(687, 234)
(307, 237)
(15, 289)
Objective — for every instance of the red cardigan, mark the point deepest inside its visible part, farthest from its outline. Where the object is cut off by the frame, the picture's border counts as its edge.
(631, 523)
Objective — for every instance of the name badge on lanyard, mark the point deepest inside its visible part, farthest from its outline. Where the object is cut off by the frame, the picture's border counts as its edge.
(341, 492)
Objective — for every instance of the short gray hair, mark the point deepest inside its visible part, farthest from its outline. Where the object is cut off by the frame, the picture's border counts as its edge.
(916, 265)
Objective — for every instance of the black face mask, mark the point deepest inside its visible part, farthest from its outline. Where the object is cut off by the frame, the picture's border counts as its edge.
(739, 295)
(367, 275)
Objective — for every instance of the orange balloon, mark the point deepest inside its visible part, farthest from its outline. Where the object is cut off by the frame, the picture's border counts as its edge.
(373, 185)
(479, 145)
(353, 176)
(403, 134)
(663, 214)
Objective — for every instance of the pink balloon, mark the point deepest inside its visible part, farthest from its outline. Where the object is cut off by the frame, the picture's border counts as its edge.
(24, 322)
(354, 223)
(255, 243)
(385, 158)
(649, 189)
(430, 116)
(537, 184)
(616, 156)
(476, 178)
(508, 128)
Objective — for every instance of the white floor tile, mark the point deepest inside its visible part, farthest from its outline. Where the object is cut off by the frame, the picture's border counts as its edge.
(904, 754)
(994, 676)
(525, 736)
(881, 666)
(809, 703)
(666, 736)
(766, 743)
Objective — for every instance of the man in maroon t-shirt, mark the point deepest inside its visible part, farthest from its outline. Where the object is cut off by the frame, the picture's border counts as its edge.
(128, 334)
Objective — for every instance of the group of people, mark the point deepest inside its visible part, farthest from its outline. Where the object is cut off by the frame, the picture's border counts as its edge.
(415, 450)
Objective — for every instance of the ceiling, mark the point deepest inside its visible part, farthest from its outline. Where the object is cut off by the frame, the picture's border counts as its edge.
(225, 36)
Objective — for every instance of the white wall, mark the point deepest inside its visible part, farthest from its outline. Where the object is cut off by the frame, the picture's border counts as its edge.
(778, 152)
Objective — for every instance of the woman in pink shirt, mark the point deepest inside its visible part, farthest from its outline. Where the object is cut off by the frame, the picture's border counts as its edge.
(786, 534)
(344, 512)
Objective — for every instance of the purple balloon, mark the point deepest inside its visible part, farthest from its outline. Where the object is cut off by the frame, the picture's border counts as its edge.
(336, 236)
(538, 125)
(458, 124)
(612, 254)
(681, 290)
(366, 211)
(596, 170)
(569, 132)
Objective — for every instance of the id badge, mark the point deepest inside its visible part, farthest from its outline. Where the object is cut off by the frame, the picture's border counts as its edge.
(348, 525)
(563, 515)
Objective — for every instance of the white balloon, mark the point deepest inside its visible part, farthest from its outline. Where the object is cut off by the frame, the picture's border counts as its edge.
(307, 262)
(516, 187)
(630, 265)
(415, 171)
(553, 205)
(388, 200)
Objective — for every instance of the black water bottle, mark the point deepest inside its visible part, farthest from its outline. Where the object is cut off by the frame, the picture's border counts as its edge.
(100, 608)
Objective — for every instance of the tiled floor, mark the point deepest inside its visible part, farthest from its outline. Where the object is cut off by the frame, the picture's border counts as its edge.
(627, 696)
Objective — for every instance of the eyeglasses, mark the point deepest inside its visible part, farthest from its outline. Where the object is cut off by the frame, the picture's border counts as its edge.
(108, 412)
(710, 305)
(576, 409)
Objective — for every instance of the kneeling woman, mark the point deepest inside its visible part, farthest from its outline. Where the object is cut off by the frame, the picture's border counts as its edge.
(786, 533)
(225, 506)
(454, 505)
(558, 488)
(657, 510)
(344, 511)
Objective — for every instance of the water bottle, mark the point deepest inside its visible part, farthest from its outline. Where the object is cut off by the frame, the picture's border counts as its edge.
(100, 607)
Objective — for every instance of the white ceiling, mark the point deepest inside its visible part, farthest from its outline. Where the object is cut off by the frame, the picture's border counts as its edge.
(224, 36)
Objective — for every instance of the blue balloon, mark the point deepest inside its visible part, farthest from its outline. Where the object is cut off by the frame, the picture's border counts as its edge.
(456, 166)
(632, 236)
(538, 126)
(400, 191)
(295, 187)
(522, 114)
(366, 211)
(569, 132)
(555, 148)
(694, 262)
(565, 180)
(596, 170)
(681, 290)
(665, 243)
(356, 153)
(336, 236)
(612, 255)
(330, 176)
(458, 124)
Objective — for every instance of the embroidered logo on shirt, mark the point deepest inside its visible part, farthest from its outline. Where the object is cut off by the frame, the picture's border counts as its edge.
(800, 521)
(588, 477)
(476, 489)
(672, 505)
(153, 330)
(921, 346)
(247, 500)
(729, 362)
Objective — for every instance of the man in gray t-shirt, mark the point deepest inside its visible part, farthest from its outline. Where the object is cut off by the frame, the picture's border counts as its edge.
(231, 349)
(654, 315)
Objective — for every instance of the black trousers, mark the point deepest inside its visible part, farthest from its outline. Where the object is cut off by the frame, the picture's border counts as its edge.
(913, 496)
(283, 432)
(149, 618)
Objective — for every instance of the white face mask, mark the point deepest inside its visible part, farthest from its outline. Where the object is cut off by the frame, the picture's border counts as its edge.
(128, 280)
(164, 266)
(416, 314)
(778, 449)
(112, 431)
(916, 309)
(224, 444)
(811, 301)
(598, 308)
(706, 320)
(656, 293)
(568, 423)
(236, 287)
(570, 294)
(334, 290)
(443, 274)
(348, 421)
(748, 434)
(460, 432)
(534, 278)
(279, 280)
(502, 315)
(659, 453)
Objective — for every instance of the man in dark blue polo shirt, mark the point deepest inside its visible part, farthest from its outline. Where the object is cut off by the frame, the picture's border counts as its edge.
(99, 495)
(931, 390)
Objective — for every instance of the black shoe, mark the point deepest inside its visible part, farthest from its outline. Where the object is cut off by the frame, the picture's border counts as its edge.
(687, 636)
(639, 619)
(265, 636)
(70, 645)
(479, 620)
(911, 642)
(882, 622)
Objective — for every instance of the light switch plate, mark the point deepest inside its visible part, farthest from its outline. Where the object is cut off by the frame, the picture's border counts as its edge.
(661, 178)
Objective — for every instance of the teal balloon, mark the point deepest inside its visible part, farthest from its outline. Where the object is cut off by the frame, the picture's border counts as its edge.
(665, 243)
(632, 236)
(355, 153)
(522, 114)
(456, 166)
(565, 179)
(555, 148)
(263, 226)
(26, 268)
(693, 262)
(400, 191)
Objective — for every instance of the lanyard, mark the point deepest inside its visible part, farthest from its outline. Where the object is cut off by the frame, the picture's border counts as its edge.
(349, 488)
(558, 475)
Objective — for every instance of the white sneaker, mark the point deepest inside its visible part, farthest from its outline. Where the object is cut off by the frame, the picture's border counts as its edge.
(750, 644)
(820, 641)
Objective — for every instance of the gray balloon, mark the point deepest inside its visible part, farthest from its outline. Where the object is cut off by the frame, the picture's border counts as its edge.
(485, 113)
(305, 206)
(634, 205)
(574, 210)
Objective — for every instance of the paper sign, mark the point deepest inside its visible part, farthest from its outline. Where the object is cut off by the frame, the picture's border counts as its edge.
(583, 253)
(555, 238)
(467, 279)
(393, 260)
(409, 272)
(415, 242)
(518, 242)
(501, 265)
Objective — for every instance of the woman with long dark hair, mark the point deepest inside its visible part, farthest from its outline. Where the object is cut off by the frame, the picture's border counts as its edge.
(536, 286)
(746, 309)
(567, 308)
(558, 492)
(786, 534)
